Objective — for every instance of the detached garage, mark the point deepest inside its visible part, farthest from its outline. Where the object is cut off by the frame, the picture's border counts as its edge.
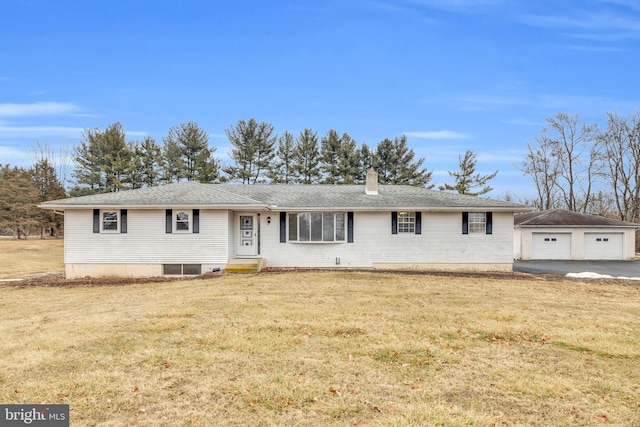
(566, 235)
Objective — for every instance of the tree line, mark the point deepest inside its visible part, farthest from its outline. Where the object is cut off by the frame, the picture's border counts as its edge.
(104, 161)
(580, 167)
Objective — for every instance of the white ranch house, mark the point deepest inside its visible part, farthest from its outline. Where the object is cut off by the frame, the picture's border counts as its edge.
(193, 228)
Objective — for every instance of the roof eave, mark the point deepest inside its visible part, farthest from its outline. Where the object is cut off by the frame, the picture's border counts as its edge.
(157, 206)
(576, 226)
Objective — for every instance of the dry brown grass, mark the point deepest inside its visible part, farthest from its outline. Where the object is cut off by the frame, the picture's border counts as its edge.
(21, 258)
(327, 348)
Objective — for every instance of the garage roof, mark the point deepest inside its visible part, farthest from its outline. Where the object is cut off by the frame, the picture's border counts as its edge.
(566, 218)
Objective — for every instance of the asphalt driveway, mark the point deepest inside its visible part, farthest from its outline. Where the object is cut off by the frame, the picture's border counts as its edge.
(611, 268)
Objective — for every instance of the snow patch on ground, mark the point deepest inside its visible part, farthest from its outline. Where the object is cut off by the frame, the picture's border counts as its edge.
(590, 275)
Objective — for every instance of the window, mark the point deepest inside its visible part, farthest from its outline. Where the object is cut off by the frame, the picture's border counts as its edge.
(181, 269)
(477, 223)
(406, 222)
(317, 227)
(109, 221)
(182, 221)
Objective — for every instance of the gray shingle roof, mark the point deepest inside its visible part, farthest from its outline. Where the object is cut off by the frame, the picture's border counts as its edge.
(286, 197)
(566, 218)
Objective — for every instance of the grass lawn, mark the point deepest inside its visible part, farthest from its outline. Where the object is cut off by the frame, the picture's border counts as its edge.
(21, 258)
(327, 348)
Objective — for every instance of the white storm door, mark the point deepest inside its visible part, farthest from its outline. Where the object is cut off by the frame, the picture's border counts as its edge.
(247, 235)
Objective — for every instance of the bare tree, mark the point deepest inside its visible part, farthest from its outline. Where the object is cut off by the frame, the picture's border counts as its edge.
(620, 147)
(543, 168)
(566, 163)
(61, 159)
(578, 159)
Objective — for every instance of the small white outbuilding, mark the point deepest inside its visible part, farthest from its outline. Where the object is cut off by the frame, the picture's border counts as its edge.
(566, 235)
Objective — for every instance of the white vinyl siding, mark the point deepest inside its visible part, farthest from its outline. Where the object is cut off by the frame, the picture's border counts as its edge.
(440, 242)
(146, 240)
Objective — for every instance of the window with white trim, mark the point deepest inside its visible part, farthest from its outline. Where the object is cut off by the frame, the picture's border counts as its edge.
(406, 222)
(110, 221)
(317, 227)
(477, 222)
(182, 221)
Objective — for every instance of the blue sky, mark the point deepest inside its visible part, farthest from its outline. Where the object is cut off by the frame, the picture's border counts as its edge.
(452, 75)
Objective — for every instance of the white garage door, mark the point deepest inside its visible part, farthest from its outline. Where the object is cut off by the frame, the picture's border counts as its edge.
(551, 246)
(603, 246)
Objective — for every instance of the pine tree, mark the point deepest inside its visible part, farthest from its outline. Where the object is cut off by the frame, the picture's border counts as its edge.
(188, 154)
(44, 177)
(18, 201)
(207, 167)
(348, 161)
(282, 170)
(103, 160)
(253, 151)
(395, 164)
(307, 157)
(173, 168)
(117, 156)
(466, 179)
(148, 162)
(330, 156)
(366, 161)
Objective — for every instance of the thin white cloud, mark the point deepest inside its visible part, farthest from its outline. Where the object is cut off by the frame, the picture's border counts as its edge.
(54, 131)
(591, 21)
(503, 156)
(13, 156)
(437, 134)
(217, 136)
(591, 48)
(600, 20)
(554, 102)
(524, 122)
(460, 6)
(6, 131)
(38, 109)
(136, 133)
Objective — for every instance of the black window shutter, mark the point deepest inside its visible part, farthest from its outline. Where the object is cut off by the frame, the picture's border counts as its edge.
(283, 227)
(418, 222)
(96, 220)
(123, 221)
(349, 227)
(465, 222)
(394, 222)
(489, 223)
(196, 221)
(168, 221)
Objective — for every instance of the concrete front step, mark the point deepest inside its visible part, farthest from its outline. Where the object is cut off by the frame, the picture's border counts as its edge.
(245, 265)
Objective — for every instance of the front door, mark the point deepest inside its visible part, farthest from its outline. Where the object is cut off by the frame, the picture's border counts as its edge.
(247, 235)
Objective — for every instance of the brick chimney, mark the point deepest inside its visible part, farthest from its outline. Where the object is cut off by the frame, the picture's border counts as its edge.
(371, 182)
